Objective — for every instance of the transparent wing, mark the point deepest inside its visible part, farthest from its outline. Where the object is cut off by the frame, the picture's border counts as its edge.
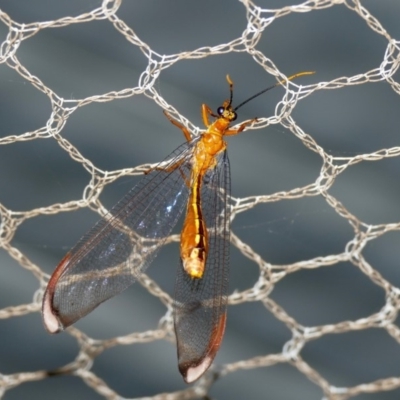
(121, 245)
(200, 304)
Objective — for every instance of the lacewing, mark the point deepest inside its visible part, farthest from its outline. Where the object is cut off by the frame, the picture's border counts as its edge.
(109, 258)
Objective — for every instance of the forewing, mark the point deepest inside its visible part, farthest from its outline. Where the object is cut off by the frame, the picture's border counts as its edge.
(121, 245)
(201, 304)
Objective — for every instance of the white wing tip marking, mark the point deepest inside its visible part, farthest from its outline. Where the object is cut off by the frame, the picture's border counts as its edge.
(194, 373)
(50, 320)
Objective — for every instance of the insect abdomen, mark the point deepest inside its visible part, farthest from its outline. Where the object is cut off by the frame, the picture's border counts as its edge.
(194, 240)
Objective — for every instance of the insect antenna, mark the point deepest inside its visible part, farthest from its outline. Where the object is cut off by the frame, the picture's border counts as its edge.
(228, 78)
(268, 88)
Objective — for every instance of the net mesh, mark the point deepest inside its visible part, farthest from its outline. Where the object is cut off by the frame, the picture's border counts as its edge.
(258, 22)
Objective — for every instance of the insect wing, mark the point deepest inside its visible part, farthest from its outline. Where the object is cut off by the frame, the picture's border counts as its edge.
(121, 245)
(201, 304)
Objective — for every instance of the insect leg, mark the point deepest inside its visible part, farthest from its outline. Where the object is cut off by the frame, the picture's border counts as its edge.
(185, 130)
(171, 168)
(205, 112)
(241, 127)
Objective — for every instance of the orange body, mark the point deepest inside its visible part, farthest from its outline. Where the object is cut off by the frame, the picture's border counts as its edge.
(194, 238)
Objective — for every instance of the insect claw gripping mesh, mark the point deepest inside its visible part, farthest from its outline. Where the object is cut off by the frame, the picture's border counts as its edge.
(258, 23)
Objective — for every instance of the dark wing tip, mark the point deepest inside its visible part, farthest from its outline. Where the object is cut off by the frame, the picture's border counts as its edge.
(193, 369)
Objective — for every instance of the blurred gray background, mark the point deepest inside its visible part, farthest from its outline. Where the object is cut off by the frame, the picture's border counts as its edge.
(92, 58)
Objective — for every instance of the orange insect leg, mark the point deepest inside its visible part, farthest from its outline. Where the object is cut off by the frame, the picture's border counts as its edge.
(231, 132)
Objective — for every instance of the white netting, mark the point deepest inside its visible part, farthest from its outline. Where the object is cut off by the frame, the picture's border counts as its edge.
(259, 21)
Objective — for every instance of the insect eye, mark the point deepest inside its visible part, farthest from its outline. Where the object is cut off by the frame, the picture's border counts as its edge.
(220, 110)
(234, 116)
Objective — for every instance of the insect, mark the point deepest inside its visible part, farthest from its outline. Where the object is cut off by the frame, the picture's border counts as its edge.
(111, 256)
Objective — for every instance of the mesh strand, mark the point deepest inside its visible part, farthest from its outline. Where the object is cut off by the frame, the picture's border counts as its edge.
(258, 21)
